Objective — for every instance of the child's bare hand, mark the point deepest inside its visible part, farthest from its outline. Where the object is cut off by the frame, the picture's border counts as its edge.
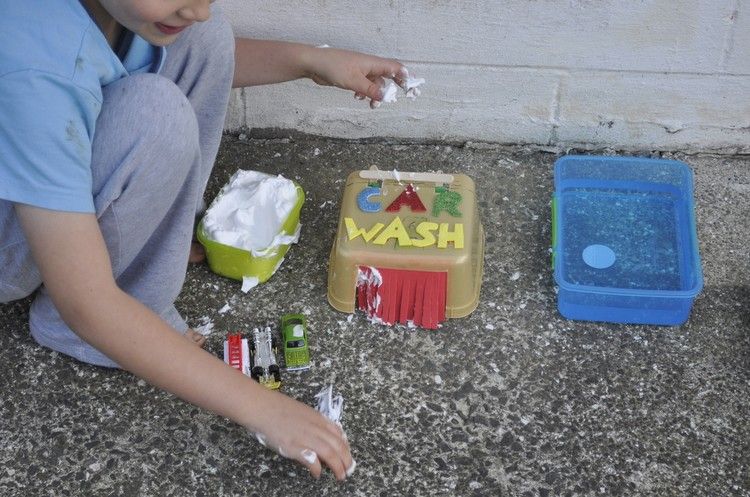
(299, 432)
(363, 74)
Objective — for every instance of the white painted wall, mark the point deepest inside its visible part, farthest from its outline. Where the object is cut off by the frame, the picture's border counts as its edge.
(636, 74)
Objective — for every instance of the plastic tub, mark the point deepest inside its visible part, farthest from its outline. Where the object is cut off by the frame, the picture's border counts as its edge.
(236, 263)
(422, 282)
(625, 248)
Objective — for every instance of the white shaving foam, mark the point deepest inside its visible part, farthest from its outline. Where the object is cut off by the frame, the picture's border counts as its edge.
(390, 91)
(250, 211)
(248, 283)
(329, 405)
(350, 469)
(332, 406)
(309, 456)
(410, 89)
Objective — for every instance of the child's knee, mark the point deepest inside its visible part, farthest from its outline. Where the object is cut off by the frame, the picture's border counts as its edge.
(19, 276)
(147, 140)
(159, 114)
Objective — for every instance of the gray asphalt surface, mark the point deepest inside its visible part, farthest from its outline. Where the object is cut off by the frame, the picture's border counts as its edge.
(512, 400)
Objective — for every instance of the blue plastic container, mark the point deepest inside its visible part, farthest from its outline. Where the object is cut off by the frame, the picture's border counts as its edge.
(624, 246)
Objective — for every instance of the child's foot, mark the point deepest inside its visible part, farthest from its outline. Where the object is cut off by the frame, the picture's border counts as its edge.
(195, 337)
(197, 253)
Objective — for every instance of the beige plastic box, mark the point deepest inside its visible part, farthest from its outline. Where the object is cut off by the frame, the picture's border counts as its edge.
(415, 229)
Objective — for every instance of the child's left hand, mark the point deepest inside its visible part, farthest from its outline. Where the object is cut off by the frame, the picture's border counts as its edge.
(364, 74)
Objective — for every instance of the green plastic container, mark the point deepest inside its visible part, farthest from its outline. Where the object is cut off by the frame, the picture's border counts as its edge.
(236, 263)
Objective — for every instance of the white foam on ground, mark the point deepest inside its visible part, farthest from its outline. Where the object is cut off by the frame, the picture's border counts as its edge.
(248, 283)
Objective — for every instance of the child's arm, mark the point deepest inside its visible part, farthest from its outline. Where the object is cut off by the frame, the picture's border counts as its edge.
(72, 257)
(259, 62)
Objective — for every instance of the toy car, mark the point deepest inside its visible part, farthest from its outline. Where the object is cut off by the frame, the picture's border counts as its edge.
(237, 353)
(265, 369)
(294, 336)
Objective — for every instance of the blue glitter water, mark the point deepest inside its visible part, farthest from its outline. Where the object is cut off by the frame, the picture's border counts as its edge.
(640, 226)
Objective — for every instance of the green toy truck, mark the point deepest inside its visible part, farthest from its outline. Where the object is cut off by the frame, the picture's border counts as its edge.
(294, 336)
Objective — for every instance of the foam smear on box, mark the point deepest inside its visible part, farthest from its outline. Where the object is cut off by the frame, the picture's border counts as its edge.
(250, 211)
(368, 284)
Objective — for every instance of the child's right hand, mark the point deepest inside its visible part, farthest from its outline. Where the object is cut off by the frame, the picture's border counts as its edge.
(299, 432)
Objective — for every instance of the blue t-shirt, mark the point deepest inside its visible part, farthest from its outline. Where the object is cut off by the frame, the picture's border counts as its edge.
(54, 61)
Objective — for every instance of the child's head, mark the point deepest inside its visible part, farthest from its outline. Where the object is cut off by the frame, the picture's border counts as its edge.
(157, 21)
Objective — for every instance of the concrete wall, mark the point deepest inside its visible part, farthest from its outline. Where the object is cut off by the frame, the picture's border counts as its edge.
(653, 74)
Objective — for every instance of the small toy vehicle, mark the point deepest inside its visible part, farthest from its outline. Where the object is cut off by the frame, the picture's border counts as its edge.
(265, 370)
(294, 336)
(237, 353)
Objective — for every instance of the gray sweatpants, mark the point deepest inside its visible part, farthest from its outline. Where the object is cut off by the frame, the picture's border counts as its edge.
(155, 144)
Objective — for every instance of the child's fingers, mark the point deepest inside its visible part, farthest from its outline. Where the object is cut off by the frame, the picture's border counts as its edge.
(333, 449)
(381, 85)
(335, 429)
(327, 447)
(388, 68)
(342, 446)
(332, 457)
(370, 88)
(310, 460)
(401, 76)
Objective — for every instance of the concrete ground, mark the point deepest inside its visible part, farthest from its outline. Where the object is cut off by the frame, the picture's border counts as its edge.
(512, 400)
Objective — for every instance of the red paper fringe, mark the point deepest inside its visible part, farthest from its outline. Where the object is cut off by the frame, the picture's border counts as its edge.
(417, 296)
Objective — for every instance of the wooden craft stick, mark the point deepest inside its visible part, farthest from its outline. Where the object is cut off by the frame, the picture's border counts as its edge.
(376, 174)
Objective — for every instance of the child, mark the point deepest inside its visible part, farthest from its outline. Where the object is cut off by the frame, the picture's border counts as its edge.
(107, 140)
